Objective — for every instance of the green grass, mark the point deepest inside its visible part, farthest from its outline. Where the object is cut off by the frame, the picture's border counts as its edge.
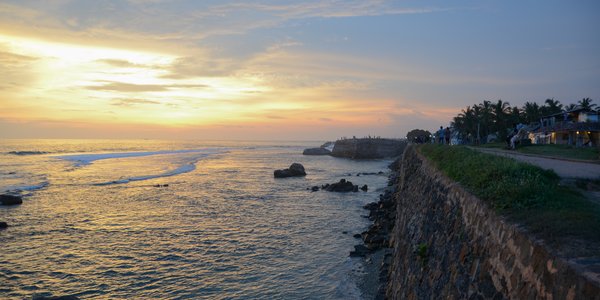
(525, 193)
(559, 151)
(563, 151)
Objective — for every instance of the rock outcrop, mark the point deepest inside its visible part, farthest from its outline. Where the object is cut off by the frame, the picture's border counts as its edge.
(7, 199)
(368, 148)
(66, 297)
(343, 186)
(295, 170)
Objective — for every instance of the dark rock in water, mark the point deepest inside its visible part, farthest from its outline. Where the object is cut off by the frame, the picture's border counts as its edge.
(294, 170)
(68, 297)
(3, 225)
(316, 151)
(342, 186)
(364, 188)
(27, 152)
(359, 251)
(315, 188)
(10, 199)
(357, 236)
(355, 188)
(297, 169)
(367, 173)
(371, 206)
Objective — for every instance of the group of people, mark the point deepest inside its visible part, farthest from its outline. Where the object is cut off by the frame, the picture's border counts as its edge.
(519, 132)
(443, 135)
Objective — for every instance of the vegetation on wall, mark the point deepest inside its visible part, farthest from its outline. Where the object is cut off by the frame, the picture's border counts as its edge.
(524, 192)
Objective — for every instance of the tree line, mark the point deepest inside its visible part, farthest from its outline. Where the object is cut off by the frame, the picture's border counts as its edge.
(480, 120)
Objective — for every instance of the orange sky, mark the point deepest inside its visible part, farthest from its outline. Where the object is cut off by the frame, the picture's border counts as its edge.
(165, 69)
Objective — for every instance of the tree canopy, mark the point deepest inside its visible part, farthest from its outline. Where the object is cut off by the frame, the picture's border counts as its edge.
(479, 120)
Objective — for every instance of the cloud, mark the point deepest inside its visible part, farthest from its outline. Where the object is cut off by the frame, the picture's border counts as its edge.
(273, 117)
(190, 66)
(121, 63)
(134, 88)
(322, 9)
(126, 102)
(8, 58)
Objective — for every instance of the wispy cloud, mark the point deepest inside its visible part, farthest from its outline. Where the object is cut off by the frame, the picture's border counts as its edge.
(191, 66)
(315, 9)
(127, 102)
(121, 63)
(8, 58)
(136, 88)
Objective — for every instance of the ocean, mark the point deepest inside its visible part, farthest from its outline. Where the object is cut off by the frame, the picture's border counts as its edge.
(148, 219)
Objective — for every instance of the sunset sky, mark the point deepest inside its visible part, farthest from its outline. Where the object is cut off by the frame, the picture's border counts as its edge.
(295, 70)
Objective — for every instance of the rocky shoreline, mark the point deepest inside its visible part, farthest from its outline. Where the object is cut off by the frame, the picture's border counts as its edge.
(376, 247)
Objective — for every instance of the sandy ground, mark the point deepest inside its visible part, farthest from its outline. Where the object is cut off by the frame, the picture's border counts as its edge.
(564, 168)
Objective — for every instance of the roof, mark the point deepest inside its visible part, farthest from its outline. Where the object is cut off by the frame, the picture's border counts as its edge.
(577, 109)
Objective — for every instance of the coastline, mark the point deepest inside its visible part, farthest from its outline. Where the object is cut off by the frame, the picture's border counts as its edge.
(375, 247)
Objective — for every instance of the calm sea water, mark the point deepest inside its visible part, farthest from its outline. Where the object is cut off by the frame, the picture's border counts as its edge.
(94, 223)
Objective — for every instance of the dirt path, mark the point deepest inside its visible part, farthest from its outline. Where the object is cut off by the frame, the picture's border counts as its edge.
(564, 168)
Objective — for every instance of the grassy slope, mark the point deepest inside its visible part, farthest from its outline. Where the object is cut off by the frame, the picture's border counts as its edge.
(523, 192)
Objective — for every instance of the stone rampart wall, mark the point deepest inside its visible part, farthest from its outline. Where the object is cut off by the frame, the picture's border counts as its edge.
(368, 148)
(450, 244)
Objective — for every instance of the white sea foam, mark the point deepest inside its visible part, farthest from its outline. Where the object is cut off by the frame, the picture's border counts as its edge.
(26, 188)
(182, 169)
(85, 159)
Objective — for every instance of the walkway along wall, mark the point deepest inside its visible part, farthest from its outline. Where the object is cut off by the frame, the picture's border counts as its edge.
(450, 244)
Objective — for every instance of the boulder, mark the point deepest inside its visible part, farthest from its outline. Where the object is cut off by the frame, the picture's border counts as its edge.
(360, 251)
(342, 186)
(7, 199)
(3, 225)
(294, 170)
(364, 188)
(66, 297)
(316, 151)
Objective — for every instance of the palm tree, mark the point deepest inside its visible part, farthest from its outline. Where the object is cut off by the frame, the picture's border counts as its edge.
(531, 111)
(516, 116)
(486, 118)
(501, 112)
(469, 122)
(552, 107)
(586, 103)
(570, 107)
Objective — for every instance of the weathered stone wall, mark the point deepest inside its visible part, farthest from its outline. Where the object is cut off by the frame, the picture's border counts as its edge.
(450, 244)
(368, 148)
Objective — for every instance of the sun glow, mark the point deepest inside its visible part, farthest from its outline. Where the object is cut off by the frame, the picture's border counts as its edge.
(92, 86)
(100, 84)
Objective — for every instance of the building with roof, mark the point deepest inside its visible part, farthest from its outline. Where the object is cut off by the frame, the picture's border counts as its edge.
(578, 127)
